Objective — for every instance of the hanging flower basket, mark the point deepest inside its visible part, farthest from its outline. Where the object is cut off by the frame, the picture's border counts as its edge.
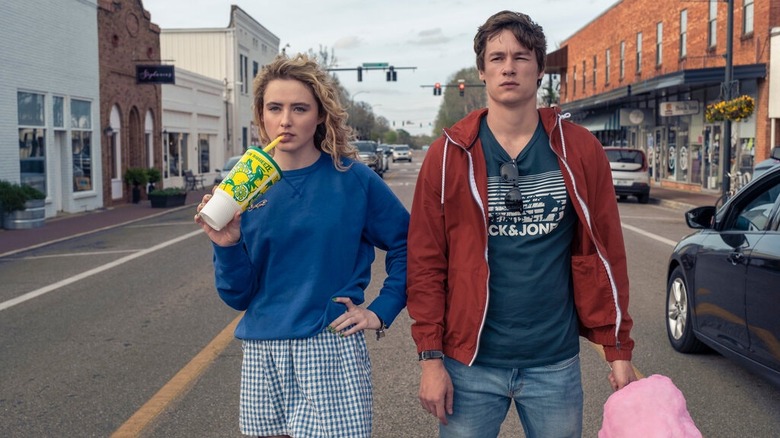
(736, 109)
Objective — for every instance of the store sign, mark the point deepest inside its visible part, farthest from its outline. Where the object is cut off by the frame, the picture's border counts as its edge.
(678, 108)
(155, 74)
(636, 117)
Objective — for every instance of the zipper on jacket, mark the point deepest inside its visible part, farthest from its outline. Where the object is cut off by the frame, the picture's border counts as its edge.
(475, 195)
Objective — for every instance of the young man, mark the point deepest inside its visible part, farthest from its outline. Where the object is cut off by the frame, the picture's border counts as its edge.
(515, 247)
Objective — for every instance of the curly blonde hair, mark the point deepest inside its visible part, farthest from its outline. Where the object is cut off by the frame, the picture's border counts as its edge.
(332, 135)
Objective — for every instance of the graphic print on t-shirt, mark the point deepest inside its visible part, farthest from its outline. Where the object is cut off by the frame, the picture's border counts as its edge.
(544, 202)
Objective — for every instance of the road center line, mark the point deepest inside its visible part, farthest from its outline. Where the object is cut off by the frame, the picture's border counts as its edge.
(178, 385)
(62, 283)
(655, 237)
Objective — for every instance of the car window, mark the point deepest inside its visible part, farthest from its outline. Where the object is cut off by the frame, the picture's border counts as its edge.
(756, 214)
(232, 162)
(625, 159)
(364, 146)
(624, 156)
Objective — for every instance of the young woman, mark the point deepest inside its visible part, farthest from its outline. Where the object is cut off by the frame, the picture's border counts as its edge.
(298, 261)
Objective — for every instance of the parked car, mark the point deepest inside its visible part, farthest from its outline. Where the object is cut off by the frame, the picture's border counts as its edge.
(223, 172)
(723, 280)
(402, 152)
(385, 154)
(763, 166)
(630, 173)
(368, 154)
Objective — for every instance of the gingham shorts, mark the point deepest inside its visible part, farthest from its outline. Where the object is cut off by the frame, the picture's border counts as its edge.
(313, 387)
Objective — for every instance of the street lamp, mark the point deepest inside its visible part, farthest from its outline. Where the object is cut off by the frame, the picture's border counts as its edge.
(352, 98)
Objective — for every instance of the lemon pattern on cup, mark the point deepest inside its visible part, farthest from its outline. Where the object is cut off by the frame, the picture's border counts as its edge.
(251, 176)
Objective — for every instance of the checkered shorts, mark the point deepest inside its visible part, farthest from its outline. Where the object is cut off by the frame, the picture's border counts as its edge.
(313, 387)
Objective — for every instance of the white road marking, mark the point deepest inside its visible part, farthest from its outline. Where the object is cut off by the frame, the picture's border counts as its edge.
(655, 237)
(62, 283)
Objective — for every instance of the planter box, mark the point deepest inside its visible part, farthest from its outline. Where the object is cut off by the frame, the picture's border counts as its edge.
(33, 216)
(166, 201)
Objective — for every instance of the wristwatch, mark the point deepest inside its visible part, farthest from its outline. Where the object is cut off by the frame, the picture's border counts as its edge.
(380, 332)
(431, 354)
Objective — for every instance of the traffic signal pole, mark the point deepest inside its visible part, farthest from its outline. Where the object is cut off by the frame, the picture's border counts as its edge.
(727, 95)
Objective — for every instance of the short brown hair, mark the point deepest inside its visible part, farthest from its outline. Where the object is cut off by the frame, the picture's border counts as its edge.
(527, 32)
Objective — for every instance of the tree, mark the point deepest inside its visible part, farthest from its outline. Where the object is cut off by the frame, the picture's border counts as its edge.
(454, 107)
(548, 94)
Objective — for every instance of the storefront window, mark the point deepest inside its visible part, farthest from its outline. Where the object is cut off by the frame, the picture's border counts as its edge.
(32, 140)
(711, 156)
(203, 152)
(81, 144)
(172, 154)
(58, 112)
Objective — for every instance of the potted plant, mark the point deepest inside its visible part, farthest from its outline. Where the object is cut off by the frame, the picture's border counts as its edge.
(168, 197)
(21, 206)
(154, 175)
(136, 176)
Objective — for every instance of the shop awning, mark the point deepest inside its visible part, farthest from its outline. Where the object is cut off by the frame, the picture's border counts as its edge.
(602, 122)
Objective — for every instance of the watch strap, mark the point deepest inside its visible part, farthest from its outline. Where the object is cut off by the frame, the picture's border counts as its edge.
(430, 354)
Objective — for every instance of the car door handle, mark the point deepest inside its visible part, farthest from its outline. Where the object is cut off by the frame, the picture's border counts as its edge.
(736, 258)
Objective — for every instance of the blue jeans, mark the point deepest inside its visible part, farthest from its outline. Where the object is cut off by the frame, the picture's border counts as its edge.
(548, 400)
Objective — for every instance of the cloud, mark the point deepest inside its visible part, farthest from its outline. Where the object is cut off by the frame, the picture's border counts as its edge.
(346, 43)
(430, 37)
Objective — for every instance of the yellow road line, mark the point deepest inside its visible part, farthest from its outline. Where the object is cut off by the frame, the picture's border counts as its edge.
(178, 385)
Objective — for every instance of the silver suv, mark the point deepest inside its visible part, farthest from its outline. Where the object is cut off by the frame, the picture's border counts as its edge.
(630, 174)
(402, 152)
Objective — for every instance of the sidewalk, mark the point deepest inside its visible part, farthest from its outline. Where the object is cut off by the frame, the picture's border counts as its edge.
(67, 226)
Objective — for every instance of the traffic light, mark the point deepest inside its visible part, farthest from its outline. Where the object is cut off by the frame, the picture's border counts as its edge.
(437, 89)
(392, 75)
(360, 74)
(461, 88)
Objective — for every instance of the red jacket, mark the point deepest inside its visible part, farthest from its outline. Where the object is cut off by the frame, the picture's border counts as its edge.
(447, 245)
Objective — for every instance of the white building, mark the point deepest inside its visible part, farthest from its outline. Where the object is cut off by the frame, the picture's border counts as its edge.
(232, 55)
(49, 101)
(193, 127)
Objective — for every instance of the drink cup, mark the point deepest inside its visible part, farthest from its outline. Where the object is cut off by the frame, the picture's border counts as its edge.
(253, 175)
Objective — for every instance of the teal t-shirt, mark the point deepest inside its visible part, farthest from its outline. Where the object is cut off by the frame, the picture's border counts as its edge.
(531, 320)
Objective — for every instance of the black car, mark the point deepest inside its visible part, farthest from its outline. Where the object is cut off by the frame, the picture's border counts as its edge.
(723, 288)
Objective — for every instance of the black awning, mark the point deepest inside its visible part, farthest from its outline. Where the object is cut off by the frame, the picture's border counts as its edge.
(693, 77)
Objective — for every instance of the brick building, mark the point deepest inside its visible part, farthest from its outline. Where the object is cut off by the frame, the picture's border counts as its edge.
(644, 71)
(130, 110)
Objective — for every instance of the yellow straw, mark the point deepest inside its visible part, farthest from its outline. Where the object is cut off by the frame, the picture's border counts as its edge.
(273, 144)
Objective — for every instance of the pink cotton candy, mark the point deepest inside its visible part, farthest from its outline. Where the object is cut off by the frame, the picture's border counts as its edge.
(652, 407)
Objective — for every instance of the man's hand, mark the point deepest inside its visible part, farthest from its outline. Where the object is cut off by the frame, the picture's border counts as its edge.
(436, 389)
(622, 374)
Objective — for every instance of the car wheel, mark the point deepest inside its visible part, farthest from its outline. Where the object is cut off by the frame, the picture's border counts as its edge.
(643, 199)
(679, 325)
(622, 197)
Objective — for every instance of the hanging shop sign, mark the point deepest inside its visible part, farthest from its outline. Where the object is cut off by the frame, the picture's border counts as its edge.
(155, 74)
(678, 108)
(636, 117)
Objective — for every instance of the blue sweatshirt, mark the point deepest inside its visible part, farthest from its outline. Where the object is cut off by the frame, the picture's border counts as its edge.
(308, 239)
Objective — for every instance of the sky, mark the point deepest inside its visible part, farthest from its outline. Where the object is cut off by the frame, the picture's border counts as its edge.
(433, 36)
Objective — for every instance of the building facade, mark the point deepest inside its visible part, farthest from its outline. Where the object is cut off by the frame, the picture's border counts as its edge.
(130, 110)
(193, 127)
(50, 101)
(643, 72)
(233, 56)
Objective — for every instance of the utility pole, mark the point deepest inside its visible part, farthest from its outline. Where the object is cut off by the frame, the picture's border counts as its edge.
(727, 95)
